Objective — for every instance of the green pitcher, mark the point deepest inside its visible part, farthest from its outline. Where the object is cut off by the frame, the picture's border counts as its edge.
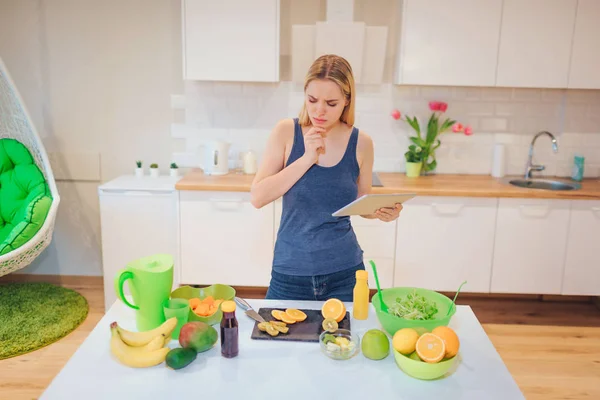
(150, 283)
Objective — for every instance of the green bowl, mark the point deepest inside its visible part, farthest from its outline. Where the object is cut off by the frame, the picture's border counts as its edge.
(217, 291)
(392, 324)
(416, 368)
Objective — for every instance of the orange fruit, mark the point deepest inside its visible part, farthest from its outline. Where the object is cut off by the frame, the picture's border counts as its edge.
(430, 348)
(450, 339)
(334, 309)
(287, 319)
(277, 314)
(296, 315)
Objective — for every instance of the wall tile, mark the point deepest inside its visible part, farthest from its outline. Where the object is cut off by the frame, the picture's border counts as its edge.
(497, 94)
(526, 94)
(493, 124)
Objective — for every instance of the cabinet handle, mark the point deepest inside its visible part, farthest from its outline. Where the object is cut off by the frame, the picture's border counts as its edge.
(227, 204)
(447, 209)
(535, 210)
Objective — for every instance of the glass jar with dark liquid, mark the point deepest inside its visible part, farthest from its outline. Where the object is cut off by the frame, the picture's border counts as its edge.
(229, 330)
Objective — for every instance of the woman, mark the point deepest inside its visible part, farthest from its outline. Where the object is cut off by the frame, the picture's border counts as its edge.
(318, 162)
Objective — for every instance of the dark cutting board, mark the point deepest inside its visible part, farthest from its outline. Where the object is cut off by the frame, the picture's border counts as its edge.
(305, 331)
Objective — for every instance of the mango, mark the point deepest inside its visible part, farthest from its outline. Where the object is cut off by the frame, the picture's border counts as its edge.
(179, 358)
(198, 335)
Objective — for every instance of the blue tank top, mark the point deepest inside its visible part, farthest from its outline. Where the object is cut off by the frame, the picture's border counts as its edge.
(310, 241)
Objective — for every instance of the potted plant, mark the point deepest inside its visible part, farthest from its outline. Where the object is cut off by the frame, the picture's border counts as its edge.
(154, 170)
(139, 171)
(428, 141)
(414, 161)
(174, 170)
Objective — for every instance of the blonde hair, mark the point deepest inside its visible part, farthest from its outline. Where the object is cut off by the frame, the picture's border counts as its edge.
(339, 71)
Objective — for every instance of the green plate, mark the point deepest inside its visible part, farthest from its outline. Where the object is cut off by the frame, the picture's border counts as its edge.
(217, 291)
(392, 324)
(416, 368)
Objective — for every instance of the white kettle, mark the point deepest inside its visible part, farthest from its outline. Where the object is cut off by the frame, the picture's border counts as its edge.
(214, 157)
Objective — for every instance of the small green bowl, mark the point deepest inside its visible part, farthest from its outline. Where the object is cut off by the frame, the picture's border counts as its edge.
(421, 370)
(392, 324)
(217, 291)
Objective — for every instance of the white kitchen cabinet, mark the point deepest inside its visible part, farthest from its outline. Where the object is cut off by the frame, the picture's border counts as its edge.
(378, 242)
(139, 217)
(530, 245)
(231, 40)
(582, 265)
(443, 241)
(585, 57)
(224, 239)
(535, 43)
(449, 42)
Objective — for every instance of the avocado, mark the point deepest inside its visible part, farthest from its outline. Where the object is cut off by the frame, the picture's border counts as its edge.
(180, 357)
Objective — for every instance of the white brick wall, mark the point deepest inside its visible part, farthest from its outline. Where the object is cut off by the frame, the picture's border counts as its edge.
(244, 114)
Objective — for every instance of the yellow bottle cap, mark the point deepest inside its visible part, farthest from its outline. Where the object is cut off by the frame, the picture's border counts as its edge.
(228, 306)
(362, 274)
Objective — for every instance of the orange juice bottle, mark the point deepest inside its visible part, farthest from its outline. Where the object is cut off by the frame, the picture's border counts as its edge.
(360, 307)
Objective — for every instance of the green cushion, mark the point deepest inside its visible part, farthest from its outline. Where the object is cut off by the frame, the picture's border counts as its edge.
(25, 197)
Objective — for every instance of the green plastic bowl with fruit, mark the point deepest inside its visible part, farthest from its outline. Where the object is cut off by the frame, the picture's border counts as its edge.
(413, 366)
(340, 344)
(428, 355)
(410, 307)
(211, 310)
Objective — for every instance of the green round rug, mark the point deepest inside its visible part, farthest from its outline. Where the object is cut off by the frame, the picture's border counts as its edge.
(34, 315)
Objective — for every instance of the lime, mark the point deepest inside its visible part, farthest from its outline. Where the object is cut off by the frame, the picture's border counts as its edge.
(329, 325)
(375, 344)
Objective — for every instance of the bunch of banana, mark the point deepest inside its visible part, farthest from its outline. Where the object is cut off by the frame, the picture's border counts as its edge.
(141, 349)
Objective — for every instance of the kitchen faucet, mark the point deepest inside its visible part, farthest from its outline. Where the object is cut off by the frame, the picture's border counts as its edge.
(531, 167)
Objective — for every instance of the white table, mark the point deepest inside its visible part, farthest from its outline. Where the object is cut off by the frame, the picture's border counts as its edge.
(300, 371)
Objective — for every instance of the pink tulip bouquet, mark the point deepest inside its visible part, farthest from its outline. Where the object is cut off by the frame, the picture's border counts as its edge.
(421, 151)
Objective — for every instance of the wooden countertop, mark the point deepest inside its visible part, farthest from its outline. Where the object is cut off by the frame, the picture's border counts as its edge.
(395, 182)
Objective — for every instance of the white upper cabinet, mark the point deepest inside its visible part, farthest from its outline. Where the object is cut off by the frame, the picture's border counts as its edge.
(535, 43)
(585, 58)
(231, 40)
(449, 42)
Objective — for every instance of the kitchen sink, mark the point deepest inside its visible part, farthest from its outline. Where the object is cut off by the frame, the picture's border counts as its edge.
(546, 184)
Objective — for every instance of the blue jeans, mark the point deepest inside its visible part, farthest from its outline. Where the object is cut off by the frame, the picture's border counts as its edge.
(339, 285)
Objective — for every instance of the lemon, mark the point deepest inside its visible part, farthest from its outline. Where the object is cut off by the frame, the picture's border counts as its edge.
(405, 340)
(330, 325)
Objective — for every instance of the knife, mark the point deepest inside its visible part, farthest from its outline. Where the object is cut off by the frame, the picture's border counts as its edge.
(249, 310)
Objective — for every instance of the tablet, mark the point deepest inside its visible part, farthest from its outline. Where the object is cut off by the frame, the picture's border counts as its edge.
(369, 203)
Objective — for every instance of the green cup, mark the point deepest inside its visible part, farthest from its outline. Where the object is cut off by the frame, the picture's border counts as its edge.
(180, 309)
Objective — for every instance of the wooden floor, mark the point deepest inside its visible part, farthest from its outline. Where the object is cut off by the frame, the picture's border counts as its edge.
(551, 348)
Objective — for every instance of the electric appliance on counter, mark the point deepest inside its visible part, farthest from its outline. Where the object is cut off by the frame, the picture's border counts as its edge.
(214, 157)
